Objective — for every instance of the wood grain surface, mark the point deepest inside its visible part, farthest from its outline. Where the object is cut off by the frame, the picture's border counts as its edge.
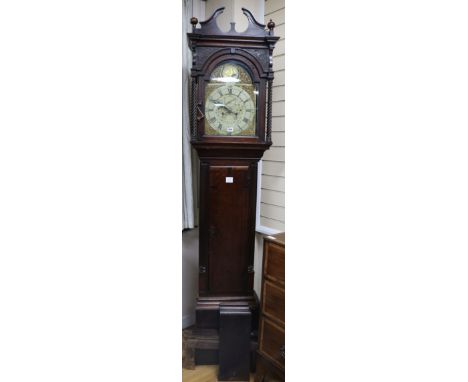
(203, 374)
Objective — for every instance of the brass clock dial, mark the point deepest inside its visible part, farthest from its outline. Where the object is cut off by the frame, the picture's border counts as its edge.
(230, 71)
(229, 110)
(230, 103)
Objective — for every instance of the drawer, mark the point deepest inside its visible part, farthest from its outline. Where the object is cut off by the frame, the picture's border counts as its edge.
(272, 341)
(273, 301)
(274, 262)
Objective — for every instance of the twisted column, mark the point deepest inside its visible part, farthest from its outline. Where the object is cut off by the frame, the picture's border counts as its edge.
(269, 103)
(194, 108)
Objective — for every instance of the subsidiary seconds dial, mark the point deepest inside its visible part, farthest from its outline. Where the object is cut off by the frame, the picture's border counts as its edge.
(230, 109)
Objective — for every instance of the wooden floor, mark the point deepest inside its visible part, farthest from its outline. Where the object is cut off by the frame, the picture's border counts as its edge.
(203, 374)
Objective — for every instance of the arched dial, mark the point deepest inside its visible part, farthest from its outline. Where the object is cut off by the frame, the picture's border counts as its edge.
(230, 110)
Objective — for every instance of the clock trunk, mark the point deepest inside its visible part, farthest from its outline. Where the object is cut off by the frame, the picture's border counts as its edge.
(227, 211)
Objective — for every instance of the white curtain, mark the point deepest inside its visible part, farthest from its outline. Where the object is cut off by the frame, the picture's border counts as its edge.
(187, 183)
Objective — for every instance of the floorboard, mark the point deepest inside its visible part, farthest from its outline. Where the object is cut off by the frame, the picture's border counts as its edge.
(203, 374)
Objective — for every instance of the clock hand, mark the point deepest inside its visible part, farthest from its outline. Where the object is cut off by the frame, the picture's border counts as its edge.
(232, 112)
(228, 109)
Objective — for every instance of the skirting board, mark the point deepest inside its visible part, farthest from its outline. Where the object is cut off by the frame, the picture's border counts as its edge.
(188, 320)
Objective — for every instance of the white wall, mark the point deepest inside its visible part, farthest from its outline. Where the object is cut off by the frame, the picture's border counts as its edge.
(189, 276)
(190, 238)
(272, 206)
(233, 12)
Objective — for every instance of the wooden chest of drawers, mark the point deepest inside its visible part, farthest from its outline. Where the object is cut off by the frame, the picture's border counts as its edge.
(271, 357)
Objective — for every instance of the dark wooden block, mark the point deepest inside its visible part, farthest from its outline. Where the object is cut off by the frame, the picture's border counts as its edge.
(207, 317)
(234, 342)
(206, 356)
(201, 347)
(207, 309)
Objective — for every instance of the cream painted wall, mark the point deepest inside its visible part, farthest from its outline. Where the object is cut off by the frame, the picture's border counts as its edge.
(272, 206)
(190, 238)
(189, 276)
(233, 12)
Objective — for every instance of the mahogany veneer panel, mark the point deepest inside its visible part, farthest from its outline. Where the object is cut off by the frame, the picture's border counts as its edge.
(272, 341)
(273, 301)
(274, 262)
(271, 352)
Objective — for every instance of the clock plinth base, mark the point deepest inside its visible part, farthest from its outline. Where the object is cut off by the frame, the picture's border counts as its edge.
(202, 342)
(207, 309)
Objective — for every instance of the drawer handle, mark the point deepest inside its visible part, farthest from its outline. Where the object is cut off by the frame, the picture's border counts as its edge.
(282, 351)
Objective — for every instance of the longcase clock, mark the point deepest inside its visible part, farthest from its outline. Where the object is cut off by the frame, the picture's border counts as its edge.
(232, 77)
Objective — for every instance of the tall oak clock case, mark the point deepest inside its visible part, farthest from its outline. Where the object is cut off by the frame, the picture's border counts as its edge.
(232, 79)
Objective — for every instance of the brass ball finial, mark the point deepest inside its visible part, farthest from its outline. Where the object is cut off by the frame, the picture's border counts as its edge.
(194, 21)
(271, 24)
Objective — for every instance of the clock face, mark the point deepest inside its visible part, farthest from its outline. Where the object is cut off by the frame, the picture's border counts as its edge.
(230, 102)
(230, 110)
